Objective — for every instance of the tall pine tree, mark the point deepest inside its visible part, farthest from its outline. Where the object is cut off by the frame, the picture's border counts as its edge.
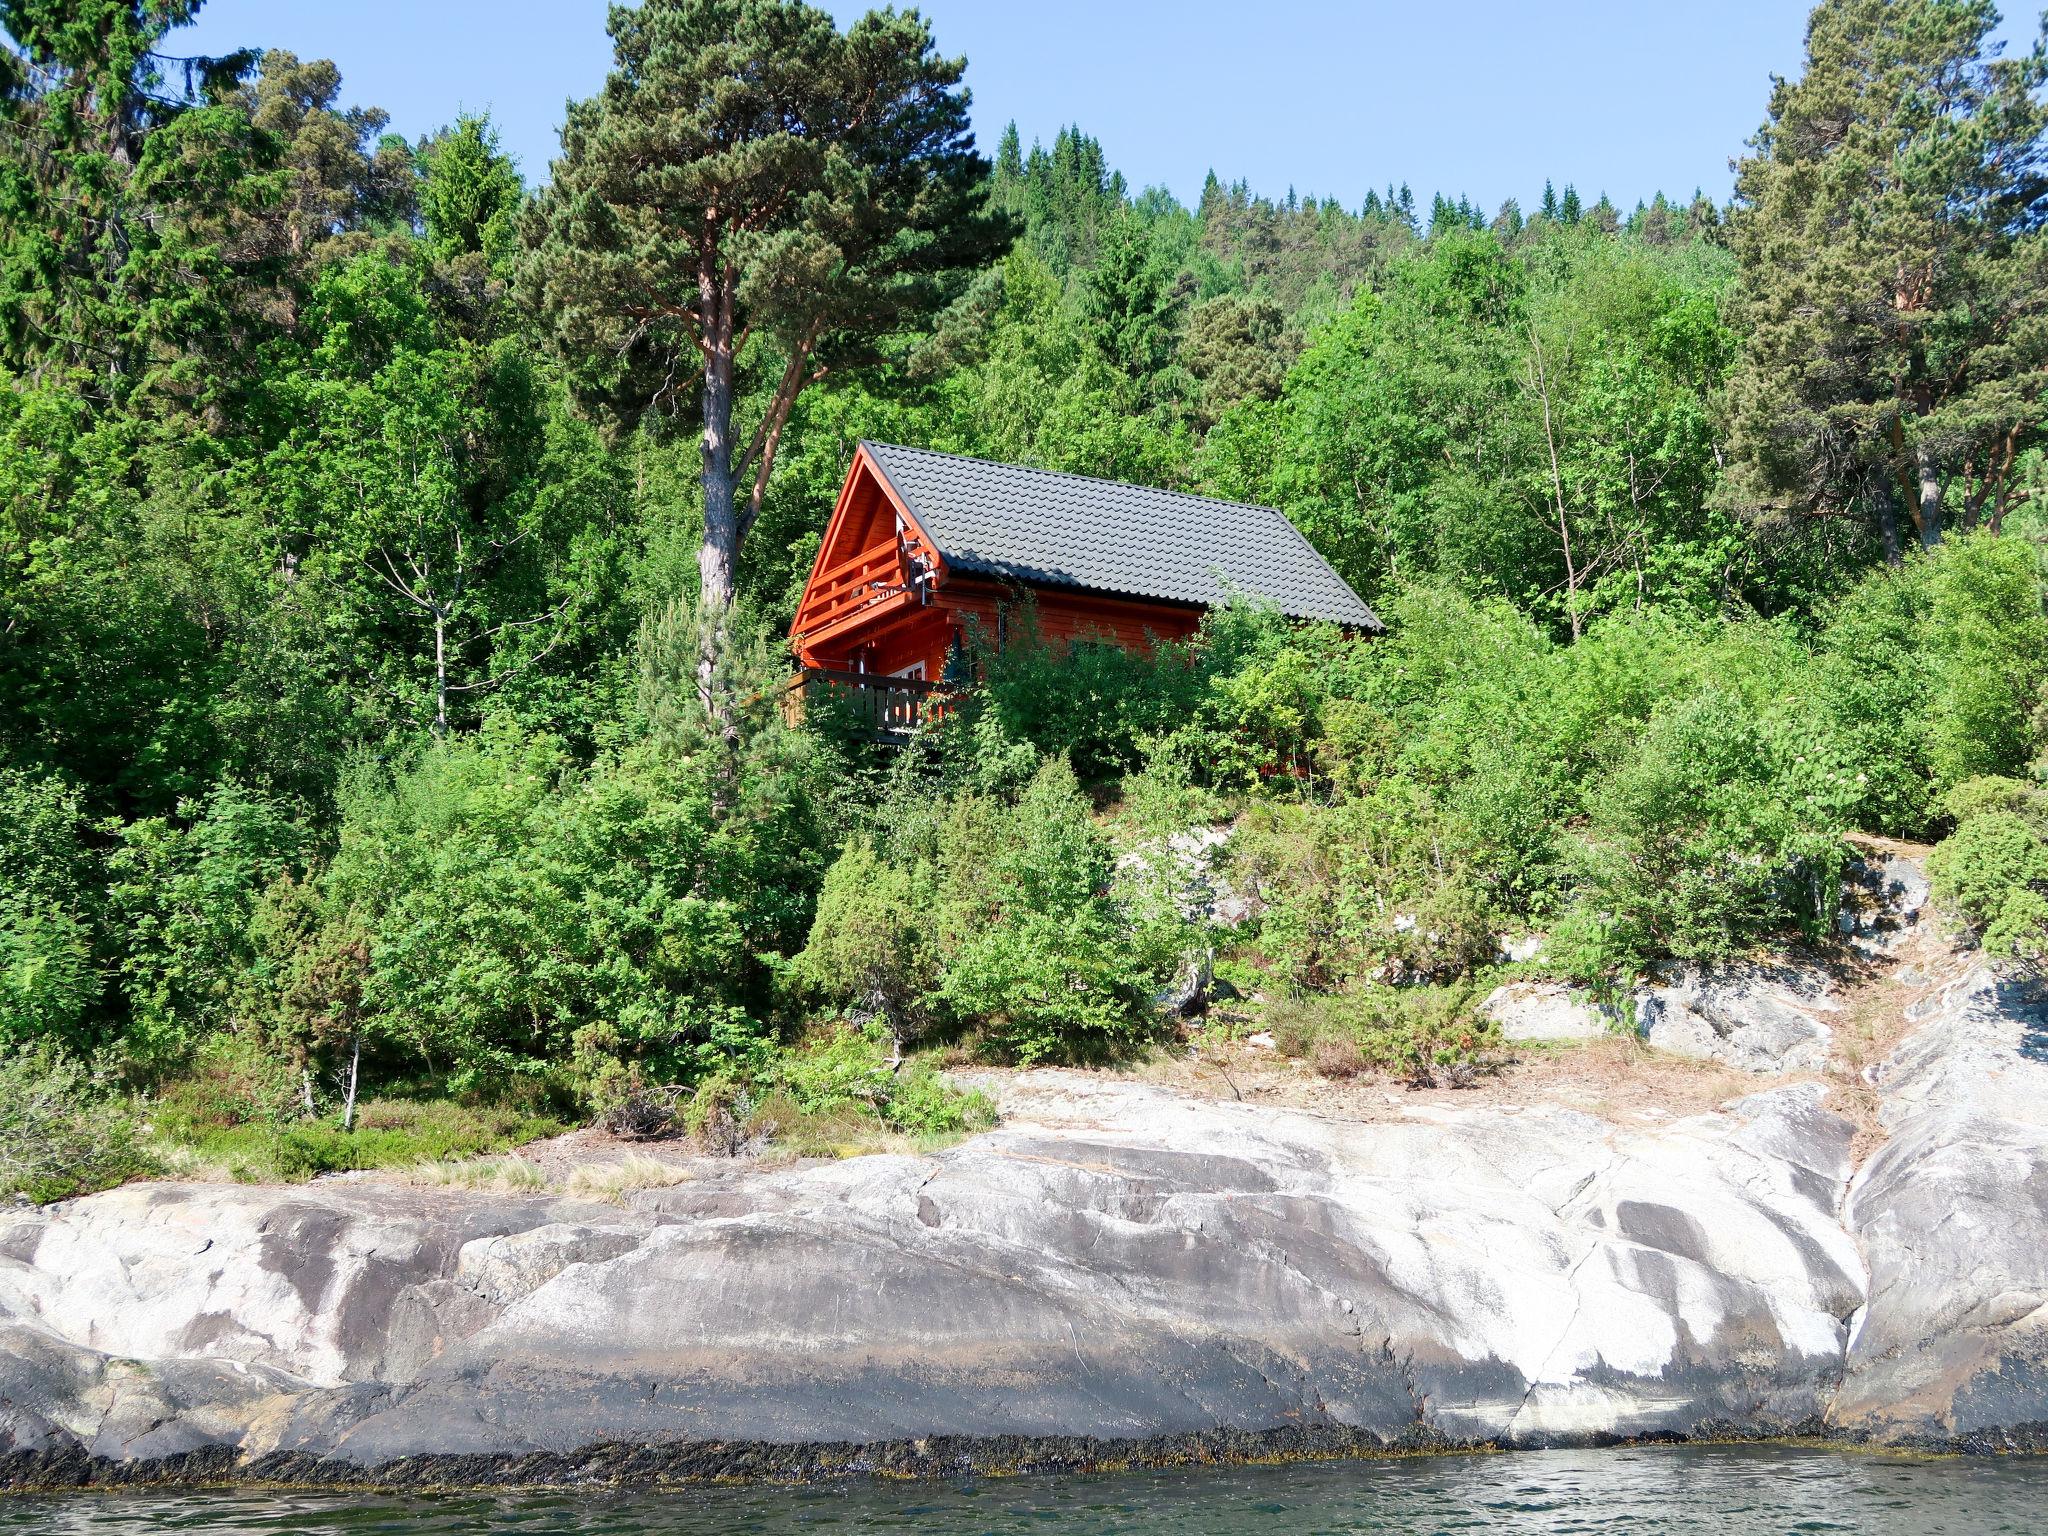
(1894, 270)
(751, 175)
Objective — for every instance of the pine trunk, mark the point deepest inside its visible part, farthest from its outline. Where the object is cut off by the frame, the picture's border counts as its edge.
(1930, 496)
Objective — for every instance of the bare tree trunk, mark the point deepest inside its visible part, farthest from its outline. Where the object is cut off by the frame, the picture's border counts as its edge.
(348, 1103)
(440, 670)
(718, 557)
(1564, 531)
(1887, 518)
(1930, 496)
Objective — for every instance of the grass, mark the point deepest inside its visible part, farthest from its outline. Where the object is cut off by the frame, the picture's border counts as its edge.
(615, 1181)
(389, 1133)
(506, 1175)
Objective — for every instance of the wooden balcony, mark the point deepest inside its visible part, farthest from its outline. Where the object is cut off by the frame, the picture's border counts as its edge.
(880, 707)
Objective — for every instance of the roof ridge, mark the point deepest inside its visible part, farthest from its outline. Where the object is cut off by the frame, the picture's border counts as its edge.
(1107, 535)
(1071, 474)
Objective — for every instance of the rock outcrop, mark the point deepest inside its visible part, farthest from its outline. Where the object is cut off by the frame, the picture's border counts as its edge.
(1117, 1264)
(1952, 1217)
(1544, 1010)
(1118, 1273)
(1760, 1018)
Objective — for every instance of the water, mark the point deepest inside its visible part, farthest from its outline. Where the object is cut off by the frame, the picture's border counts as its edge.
(1720, 1491)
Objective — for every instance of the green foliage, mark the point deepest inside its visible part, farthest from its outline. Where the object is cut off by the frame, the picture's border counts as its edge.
(1710, 835)
(836, 1092)
(1035, 952)
(1892, 307)
(1429, 1036)
(388, 1133)
(372, 707)
(1992, 871)
(871, 942)
(182, 895)
(50, 984)
(62, 1130)
(512, 899)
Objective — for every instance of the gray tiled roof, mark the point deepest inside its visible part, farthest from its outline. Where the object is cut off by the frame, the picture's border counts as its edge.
(1104, 536)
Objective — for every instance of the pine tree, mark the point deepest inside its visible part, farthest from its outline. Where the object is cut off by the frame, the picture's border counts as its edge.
(1549, 209)
(748, 170)
(1126, 301)
(469, 195)
(1568, 210)
(124, 186)
(1894, 270)
(1009, 157)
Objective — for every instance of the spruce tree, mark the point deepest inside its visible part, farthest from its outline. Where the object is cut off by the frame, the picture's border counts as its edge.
(121, 172)
(1127, 302)
(749, 180)
(1893, 295)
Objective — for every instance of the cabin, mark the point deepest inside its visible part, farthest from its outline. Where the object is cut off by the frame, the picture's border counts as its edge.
(925, 549)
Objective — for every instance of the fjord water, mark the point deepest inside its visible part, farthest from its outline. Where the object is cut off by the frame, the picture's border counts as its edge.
(1728, 1491)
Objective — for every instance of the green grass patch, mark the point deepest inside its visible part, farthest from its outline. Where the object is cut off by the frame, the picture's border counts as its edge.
(388, 1133)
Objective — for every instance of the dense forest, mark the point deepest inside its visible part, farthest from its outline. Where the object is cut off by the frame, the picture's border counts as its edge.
(397, 551)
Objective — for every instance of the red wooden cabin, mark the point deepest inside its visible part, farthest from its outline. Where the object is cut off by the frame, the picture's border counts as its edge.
(924, 547)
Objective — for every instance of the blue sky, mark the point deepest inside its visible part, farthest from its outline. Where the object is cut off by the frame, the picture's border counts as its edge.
(1478, 97)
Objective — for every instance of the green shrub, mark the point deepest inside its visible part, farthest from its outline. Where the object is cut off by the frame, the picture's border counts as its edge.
(1036, 953)
(182, 894)
(1427, 1036)
(1987, 646)
(50, 980)
(1371, 888)
(835, 1090)
(62, 1130)
(872, 942)
(511, 899)
(1992, 871)
(1714, 834)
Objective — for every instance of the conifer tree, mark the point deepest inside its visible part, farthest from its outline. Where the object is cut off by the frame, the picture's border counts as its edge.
(1549, 209)
(1569, 209)
(751, 177)
(1894, 270)
(108, 276)
(1127, 303)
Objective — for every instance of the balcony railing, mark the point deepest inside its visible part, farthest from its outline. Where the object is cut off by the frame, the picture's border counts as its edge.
(877, 705)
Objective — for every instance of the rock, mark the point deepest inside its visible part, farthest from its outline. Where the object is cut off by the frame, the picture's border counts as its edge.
(1516, 948)
(1882, 900)
(1187, 996)
(1952, 1215)
(1119, 1274)
(1761, 1018)
(1189, 866)
(1117, 1263)
(1536, 1010)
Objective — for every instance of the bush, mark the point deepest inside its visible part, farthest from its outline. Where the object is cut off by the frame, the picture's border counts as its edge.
(182, 895)
(512, 901)
(62, 1131)
(1992, 871)
(1712, 834)
(1372, 888)
(50, 980)
(1427, 1036)
(1036, 955)
(836, 1090)
(872, 942)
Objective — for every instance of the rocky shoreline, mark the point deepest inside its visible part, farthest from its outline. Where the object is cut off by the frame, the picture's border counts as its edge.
(1121, 1275)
